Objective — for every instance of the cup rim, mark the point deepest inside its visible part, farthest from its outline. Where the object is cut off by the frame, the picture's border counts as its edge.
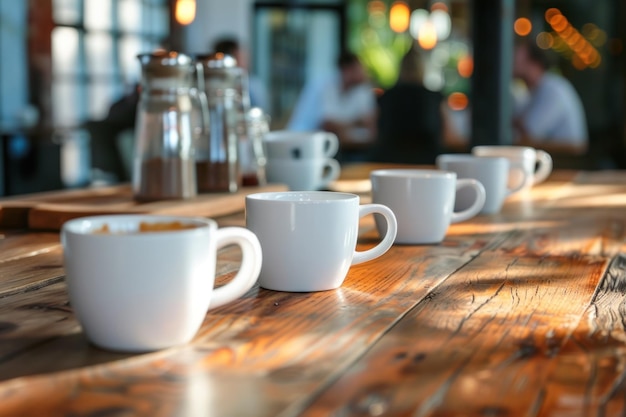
(281, 136)
(406, 173)
(508, 150)
(86, 226)
(299, 162)
(311, 197)
(454, 157)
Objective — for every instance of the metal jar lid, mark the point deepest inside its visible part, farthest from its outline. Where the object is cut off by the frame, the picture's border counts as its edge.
(165, 64)
(217, 60)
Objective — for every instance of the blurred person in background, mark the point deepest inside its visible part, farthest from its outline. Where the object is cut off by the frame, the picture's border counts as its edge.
(258, 92)
(551, 117)
(343, 103)
(414, 125)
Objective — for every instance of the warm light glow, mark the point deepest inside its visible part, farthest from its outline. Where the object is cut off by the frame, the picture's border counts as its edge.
(570, 43)
(465, 66)
(418, 18)
(377, 19)
(523, 26)
(439, 6)
(589, 29)
(550, 13)
(442, 22)
(399, 17)
(376, 6)
(457, 101)
(597, 60)
(559, 23)
(185, 11)
(578, 63)
(545, 40)
(427, 35)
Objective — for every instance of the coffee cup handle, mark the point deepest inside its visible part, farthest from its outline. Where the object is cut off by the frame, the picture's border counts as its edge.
(478, 204)
(544, 161)
(388, 239)
(249, 269)
(521, 184)
(332, 142)
(334, 169)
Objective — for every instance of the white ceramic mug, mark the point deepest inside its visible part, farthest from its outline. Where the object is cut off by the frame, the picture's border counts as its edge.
(141, 291)
(493, 174)
(536, 163)
(309, 238)
(423, 202)
(302, 174)
(285, 144)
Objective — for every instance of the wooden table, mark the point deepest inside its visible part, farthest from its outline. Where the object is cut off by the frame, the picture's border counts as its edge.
(516, 314)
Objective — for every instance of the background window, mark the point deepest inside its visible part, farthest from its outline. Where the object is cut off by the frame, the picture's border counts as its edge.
(94, 49)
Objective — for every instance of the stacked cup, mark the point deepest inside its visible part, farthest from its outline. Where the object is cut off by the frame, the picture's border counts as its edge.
(301, 160)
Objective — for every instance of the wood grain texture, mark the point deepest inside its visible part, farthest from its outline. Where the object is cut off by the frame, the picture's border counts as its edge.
(518, 313)
(273, 346)
(589, 376)
(28, 261)
(15, 245)
(50, 210)
(497, 337)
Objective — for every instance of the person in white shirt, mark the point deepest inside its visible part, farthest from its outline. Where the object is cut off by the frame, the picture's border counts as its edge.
(552, 116)
(343, 103)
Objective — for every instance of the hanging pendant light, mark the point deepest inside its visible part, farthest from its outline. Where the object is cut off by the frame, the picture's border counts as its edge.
(185, 11)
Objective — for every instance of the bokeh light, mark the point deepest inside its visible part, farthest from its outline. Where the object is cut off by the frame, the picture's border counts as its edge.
(418, 18)
(427, 35)
(442, 22)
(376, 6)
(545, 40)
(465, 66)
(522, 26)
(550, 13)
(399, 17)
(433, 79)
(185, 11)
(439, 5)
(458, 101)
(569, 42)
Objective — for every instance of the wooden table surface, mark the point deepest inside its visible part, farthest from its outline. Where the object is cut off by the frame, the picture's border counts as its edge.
(516, 314)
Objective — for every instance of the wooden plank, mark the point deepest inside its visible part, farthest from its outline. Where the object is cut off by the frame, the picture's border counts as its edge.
(589, 376)
(490, 335)
(14, 245)
(319, 334)
(485, 338)
(14, 210)
(29, 273)
(494, 306)
(49, 211)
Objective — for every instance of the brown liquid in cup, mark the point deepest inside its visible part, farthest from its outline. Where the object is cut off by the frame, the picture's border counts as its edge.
(145, 227)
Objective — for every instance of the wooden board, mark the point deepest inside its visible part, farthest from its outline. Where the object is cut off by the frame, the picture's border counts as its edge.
(48, 211)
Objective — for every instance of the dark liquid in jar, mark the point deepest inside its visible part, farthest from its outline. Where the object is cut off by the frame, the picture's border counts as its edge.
(214, 177)
(250, 180)
(166, 178)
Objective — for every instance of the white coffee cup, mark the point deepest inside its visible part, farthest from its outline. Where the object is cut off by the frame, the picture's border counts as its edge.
(309, 238)
(285, 144)
(536, 163)
(302, 174)
(141, 291)
(423, 202)
(493, 174)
